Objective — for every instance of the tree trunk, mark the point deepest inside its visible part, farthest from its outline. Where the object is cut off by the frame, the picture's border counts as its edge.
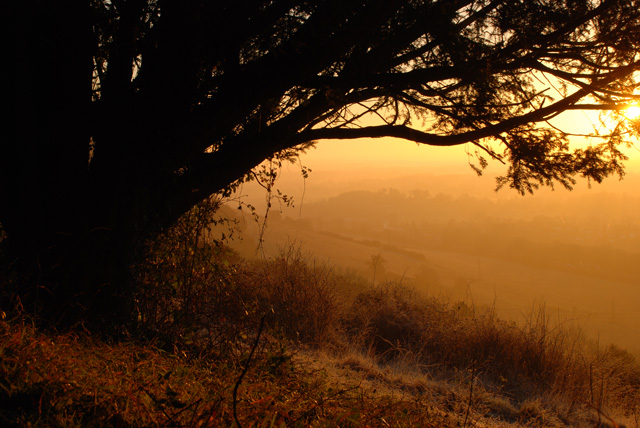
(70, 227)
(73, 250)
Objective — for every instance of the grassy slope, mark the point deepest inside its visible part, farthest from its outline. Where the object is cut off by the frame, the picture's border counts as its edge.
(604, 308)
(65, 380)
(334, 352)
(56, 380)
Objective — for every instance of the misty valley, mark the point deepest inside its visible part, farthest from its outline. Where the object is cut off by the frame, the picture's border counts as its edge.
(573, 254)
(253, 214)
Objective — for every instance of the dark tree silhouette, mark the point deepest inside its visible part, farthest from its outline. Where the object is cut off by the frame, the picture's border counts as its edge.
(126, 113)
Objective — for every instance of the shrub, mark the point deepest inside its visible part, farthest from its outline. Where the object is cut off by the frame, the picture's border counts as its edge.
(390, 319)
(187, 288)
(300, 296)
(393, 322)
(195, 291)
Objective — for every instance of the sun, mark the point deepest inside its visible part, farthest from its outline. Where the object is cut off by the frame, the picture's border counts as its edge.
(632, 112)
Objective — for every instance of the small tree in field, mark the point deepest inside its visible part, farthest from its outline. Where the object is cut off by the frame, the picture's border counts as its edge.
(126, 113)
(376, 264)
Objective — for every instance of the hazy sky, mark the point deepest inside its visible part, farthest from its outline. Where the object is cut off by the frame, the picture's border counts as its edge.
(340, 166)
(389, 153)
(343, 165)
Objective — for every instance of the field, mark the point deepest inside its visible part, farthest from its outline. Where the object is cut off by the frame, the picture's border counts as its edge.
(291, 340)
(358, 320)
(589, 285)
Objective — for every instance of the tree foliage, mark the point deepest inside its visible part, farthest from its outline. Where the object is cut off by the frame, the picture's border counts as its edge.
(239, 83)
(129, 112)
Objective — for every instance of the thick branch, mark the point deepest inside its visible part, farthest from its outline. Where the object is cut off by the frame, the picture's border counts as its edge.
(405, 132)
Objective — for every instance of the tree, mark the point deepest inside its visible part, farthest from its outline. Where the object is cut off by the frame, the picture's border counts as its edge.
(126, 113)
(377, 265)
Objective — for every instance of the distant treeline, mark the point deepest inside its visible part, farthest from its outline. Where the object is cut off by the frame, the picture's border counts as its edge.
(594, 233)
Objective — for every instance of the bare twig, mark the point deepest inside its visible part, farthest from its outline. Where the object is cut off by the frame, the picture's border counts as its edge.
(466, 415)
(244, 372)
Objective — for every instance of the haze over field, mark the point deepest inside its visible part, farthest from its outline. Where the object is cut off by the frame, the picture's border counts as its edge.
(440, 227)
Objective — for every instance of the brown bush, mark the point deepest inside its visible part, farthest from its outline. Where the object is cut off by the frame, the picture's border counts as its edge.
(300, 296)
(538, 359)
(197, 292)
(188, 290)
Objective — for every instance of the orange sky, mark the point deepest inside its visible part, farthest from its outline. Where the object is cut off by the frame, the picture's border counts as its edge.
(339, 164)
(387, 153)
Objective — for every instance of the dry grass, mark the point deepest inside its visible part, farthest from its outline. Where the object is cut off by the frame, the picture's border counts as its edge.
(299, 294)
(334, 352)
(568, 378)
(54, 380)
(466, 360)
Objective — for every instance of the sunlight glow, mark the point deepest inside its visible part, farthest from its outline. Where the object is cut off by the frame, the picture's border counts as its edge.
(632, 112)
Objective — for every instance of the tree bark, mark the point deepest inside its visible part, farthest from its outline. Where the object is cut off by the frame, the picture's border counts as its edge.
(69, 230)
